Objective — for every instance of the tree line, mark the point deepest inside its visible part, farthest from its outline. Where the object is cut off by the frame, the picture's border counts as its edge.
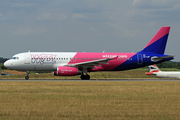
(2, 60)
(169, 64)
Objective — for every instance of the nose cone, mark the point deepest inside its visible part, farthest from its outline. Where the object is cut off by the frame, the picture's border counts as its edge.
(7, 64)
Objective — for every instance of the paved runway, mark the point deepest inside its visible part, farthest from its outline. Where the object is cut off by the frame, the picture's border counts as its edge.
(95, 80)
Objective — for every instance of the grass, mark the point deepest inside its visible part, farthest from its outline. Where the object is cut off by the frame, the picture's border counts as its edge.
(137, 73)
(134, 73)
(128, 74)
(50, 100)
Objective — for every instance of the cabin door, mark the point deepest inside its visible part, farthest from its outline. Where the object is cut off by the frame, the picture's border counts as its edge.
(27, 59)
(139, 59)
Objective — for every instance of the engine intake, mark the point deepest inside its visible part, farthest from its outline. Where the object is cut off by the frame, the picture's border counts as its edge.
(67, 71)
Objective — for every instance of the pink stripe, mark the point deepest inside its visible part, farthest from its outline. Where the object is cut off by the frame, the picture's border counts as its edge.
(162, 32)
(122, 57)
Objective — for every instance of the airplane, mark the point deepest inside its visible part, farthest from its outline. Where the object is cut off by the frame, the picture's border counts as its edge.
(82, 63)
(154, 71)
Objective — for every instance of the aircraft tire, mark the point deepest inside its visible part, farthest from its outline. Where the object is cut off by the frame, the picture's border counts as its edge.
(85, 77)
(27, 77)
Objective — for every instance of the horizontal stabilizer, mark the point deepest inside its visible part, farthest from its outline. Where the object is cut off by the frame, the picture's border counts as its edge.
(149, 73)
(156, 59)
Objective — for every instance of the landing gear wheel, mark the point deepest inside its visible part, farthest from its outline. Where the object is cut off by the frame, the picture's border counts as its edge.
(85, 77)
(27, 77)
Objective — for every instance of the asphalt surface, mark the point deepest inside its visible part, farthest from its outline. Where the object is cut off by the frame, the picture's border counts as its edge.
(95, 80)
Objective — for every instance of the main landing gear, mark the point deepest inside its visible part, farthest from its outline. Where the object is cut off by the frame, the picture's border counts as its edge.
(85, 77)
(27, 77)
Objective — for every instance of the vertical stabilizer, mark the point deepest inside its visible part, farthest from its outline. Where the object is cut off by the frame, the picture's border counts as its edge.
(158, 42)
(153, 68)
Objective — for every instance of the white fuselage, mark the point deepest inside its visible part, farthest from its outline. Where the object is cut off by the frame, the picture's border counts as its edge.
(168, 74)
(41, 61)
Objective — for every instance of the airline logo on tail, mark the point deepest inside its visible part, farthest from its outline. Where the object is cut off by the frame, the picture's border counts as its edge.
(152, 69)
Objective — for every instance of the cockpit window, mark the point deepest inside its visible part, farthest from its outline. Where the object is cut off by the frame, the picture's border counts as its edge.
(15, 58)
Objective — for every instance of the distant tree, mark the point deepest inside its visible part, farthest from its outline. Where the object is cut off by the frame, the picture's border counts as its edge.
(2, 60)
(3, 67)
(168, 64)
(178, 65)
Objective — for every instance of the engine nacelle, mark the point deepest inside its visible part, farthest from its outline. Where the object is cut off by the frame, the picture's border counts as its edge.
(66, 71)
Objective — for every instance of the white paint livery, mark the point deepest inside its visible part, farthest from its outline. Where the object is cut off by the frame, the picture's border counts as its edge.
(41, 61)
(154, 71)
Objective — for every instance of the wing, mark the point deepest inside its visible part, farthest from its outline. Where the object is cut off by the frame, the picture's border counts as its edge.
(91, 64)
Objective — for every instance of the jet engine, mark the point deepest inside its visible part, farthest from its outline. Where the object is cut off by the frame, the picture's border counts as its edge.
(67, 71)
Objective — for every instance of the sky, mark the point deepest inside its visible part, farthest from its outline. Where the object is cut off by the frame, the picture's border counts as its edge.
(86, 25)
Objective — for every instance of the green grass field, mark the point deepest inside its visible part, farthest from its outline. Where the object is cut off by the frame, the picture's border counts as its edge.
(136, 73)
(83, 100)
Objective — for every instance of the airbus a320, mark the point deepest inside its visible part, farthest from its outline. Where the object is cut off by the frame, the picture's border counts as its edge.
(82, 63)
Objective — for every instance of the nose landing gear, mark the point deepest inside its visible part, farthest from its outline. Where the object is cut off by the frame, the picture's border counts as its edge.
(27, 77)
